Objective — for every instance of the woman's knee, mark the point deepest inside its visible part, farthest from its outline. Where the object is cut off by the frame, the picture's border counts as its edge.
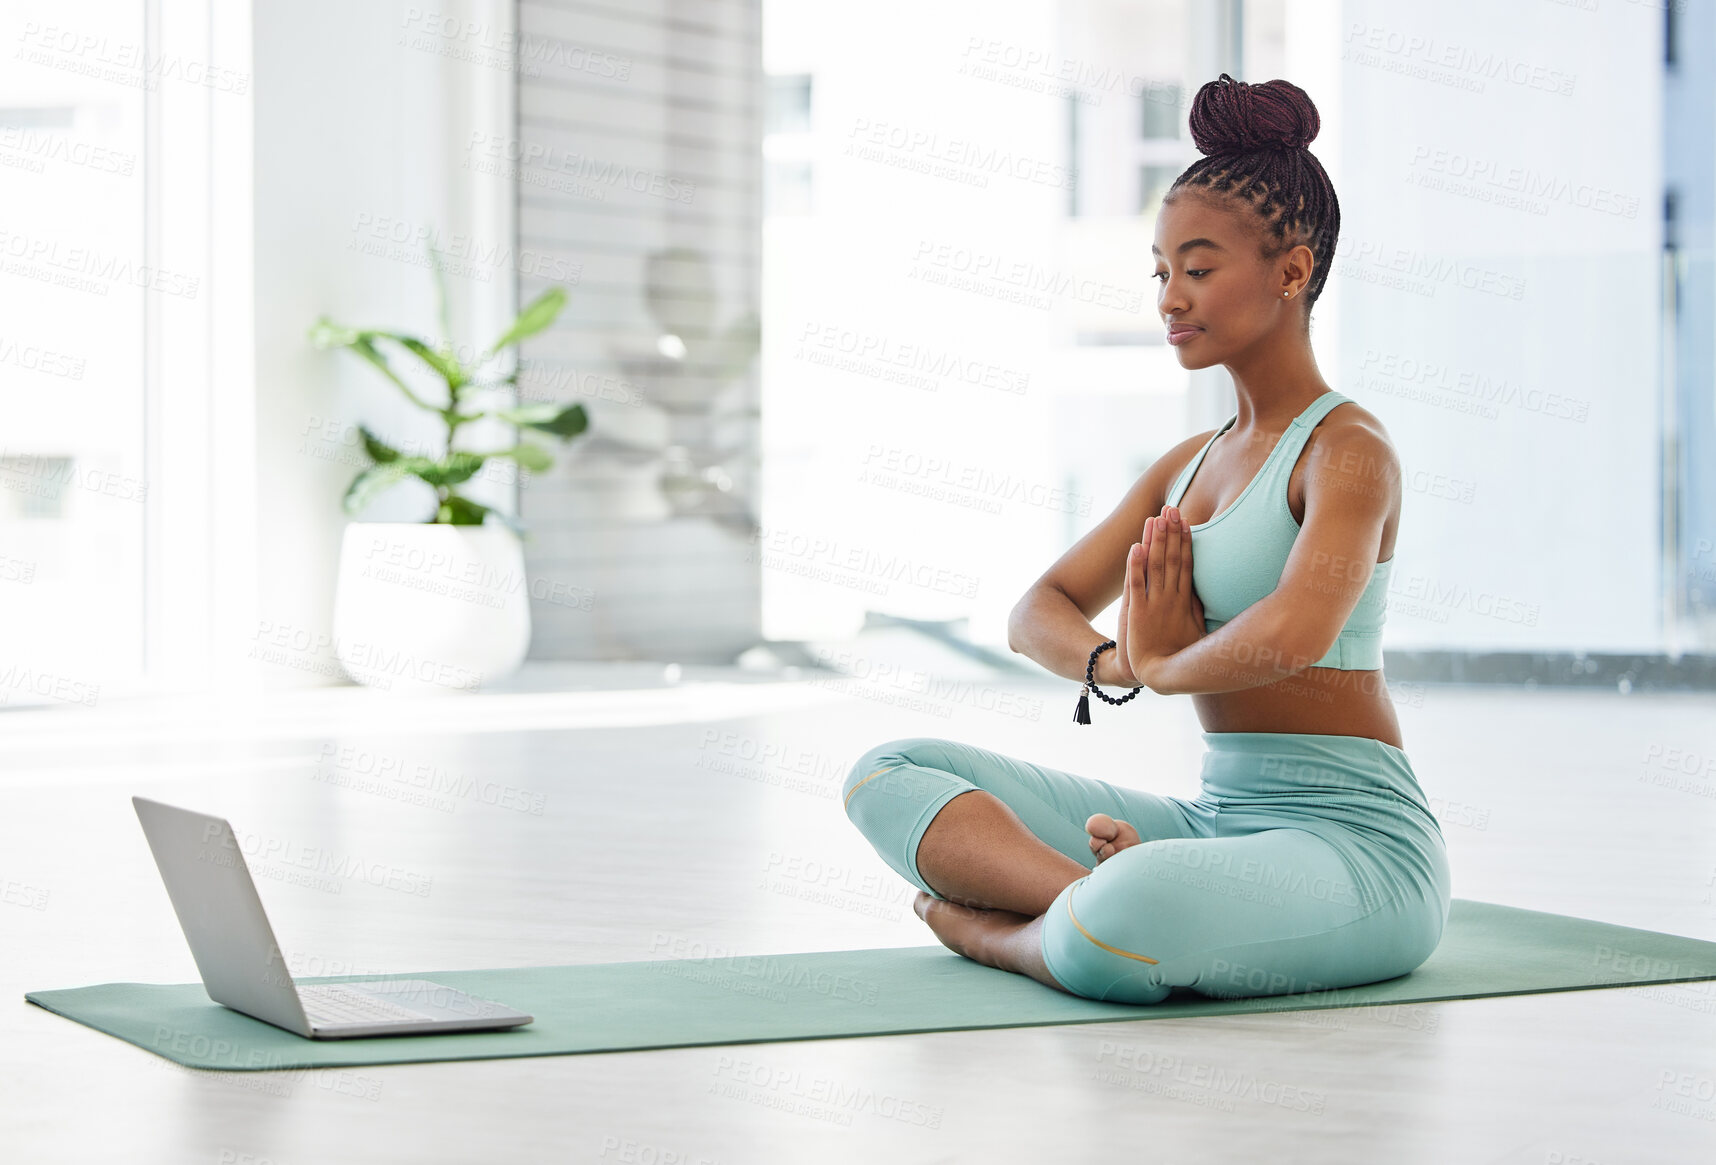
(1141, 956)
(1092, 940)
(890, 754)
(1149, 919)
(892, 793)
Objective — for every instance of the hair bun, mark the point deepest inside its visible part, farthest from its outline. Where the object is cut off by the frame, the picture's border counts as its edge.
(1231, 117)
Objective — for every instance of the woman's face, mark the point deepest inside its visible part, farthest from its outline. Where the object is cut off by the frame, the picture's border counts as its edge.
(1215, 290)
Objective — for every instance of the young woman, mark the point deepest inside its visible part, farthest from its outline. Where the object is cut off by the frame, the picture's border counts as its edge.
(1252, 567)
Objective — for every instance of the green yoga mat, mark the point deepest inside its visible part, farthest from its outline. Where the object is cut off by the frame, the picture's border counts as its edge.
(605, 1007)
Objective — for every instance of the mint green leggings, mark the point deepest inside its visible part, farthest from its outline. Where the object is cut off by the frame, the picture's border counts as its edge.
(1307, 862)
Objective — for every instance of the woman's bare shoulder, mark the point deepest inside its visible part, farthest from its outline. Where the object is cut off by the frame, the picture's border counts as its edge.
(1351, 450)
(1349, 416)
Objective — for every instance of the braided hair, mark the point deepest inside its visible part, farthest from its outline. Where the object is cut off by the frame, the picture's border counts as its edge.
(1254, 139)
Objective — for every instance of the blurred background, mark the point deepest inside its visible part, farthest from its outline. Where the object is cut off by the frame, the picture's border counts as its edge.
(859, 308)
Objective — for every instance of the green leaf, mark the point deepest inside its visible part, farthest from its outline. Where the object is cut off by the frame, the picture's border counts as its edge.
(457, 466)
(561, 420)
(538, 315)
(440, 288)
(324, 333)
(529, 414)
(533, 457)
(449, 368)
(459, 511)
(379, 451)
(363, 346)
(377, 479)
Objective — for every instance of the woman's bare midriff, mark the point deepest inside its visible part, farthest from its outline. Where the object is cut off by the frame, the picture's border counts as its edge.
(1318, 700)
(1321, 700)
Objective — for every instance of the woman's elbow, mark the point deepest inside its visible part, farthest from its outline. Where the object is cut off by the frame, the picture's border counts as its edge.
(1016, 622)
(1299, 646)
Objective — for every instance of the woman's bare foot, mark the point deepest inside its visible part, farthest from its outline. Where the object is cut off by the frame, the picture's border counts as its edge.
(969, 931)
(996, 938)
(1108, 836)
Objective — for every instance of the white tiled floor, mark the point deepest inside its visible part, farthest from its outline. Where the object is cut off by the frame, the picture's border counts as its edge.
(661, 808)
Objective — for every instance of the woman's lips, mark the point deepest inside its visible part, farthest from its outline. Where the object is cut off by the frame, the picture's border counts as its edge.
(1181, 335)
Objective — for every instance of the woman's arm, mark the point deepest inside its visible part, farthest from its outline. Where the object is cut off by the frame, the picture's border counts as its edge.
(1052, 623)
(1248, 651)
(1047, 626)
(1352, 485)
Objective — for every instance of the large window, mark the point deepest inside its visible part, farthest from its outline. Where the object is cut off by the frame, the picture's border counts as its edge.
(75, 288)
(964, 362)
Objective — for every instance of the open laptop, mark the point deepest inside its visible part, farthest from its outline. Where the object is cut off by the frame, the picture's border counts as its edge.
(241, 964)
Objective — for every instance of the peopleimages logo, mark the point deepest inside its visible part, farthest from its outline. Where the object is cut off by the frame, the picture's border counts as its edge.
(1431, 58)
(887, 357)
(488, 153)
(120, 62)
(35, 358)
(970, 268)
(782, 546)
(957, 158)
(85, 269)
(290, 856)
(394, 238)
(34, 150)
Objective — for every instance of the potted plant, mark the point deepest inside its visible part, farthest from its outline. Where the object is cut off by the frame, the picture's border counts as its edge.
(440, 605)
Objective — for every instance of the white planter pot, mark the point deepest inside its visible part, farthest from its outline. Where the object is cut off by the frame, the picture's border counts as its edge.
(427, 608)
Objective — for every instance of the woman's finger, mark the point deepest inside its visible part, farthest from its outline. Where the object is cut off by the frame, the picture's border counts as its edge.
(1122, 641)
(1171, 557)
(1156, 577)
(1134, 583)
(1186, 564)
(1141, 565)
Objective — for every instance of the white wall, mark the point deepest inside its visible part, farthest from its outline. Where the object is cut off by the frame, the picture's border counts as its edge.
(363, 117)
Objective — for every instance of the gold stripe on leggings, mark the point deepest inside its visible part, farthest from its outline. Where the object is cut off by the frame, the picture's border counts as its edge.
(1099, 942)
(865, 781)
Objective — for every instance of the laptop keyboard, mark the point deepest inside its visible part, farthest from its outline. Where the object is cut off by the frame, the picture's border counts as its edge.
(332, 1003)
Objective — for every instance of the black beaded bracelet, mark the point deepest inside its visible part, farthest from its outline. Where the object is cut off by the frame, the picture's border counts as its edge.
(1081, 713)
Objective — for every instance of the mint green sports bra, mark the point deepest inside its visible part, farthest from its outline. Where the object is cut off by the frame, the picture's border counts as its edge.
(1238, 555)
